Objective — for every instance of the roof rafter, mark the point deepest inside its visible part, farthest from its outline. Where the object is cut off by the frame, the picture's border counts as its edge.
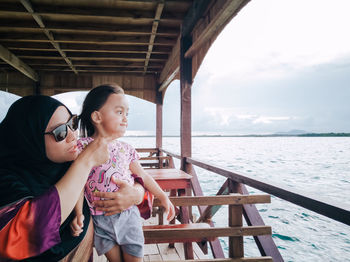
(49, 35)
(17, 63)
(159, 11)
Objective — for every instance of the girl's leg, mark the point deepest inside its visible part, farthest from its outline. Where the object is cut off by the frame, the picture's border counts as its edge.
(130, 258)
(114, 254)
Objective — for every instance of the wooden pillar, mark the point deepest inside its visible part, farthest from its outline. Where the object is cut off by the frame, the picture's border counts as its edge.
(185, 89)
(235, 220)
(186, 137)
(159, 121)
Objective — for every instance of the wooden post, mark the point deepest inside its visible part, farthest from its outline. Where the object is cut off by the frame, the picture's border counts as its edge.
(159, 122)
(186, 137)
(235, 220)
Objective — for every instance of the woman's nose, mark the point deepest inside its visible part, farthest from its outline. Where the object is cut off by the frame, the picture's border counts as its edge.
(72, 135)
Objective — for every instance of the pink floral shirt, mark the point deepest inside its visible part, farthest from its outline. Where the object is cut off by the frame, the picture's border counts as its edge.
(99, 180)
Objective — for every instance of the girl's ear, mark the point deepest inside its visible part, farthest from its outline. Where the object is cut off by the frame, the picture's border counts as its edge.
(96, 117)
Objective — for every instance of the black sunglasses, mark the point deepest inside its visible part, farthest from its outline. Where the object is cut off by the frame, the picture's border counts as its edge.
(61, 132)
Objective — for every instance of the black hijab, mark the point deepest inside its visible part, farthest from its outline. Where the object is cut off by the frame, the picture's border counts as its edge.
(25, 171)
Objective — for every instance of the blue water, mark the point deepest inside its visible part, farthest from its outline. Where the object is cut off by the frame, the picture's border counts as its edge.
(317, 166)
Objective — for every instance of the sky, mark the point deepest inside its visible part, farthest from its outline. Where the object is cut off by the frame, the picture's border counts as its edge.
(278, 66)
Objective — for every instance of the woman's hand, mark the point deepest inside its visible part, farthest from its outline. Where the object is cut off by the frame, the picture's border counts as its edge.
(77, 225)
(118, 201)
(96, 152)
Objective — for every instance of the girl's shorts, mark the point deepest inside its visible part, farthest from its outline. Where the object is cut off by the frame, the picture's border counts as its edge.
(124, 229)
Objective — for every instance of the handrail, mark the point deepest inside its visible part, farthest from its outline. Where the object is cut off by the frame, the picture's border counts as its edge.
(170, 153)
(333, 211)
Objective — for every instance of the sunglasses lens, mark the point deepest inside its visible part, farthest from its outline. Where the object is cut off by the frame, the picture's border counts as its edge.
(60, 133)
(73, 124)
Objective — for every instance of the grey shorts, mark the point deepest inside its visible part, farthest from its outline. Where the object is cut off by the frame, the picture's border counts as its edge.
(124, 229)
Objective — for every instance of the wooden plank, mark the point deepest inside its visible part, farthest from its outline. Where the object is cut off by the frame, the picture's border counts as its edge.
(92, 29)
(17, 63)
(172, 64)
(37, 18)
(266, 245)
(185, 89)
(88, 39)
(235, 220)
(156, 20)
(210, 211)
(150, 249)
(218, 200)
(156, 257)
(168, 81)
(159, 121)
(168, 233)
(243, 259)
(335, 211)
(167, 253)
(197, 191)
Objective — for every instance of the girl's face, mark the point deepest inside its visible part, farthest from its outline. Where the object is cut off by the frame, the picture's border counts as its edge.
(113, 116)
(63, 151)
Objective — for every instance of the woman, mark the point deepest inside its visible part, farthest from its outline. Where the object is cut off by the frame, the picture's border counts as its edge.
(39, 183)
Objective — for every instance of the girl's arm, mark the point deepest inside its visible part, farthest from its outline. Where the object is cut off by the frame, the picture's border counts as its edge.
(154, 188)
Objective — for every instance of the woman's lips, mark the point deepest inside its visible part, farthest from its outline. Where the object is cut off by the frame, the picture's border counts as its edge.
(73, 149)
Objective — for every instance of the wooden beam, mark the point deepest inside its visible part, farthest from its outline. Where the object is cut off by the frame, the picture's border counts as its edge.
(49, 35)
(17, 63)
(87, 39)
(233, 199)
(180, 234)
(167, 82)
(266, 245)
(227, 11)
(159, 121)
(336, 211)
(185, 89)
(89, 30)
(193, 15)
(97, 18)
(172, 64)
(156, 20)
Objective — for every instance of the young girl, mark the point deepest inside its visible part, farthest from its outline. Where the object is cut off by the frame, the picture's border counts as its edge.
(104, 114)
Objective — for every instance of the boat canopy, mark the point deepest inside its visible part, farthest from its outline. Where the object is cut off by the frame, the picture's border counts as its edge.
(50, 47)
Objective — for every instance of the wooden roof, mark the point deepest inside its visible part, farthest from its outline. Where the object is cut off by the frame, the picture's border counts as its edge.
(67, 45)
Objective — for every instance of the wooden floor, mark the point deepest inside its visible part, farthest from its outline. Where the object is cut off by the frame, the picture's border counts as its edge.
(161, 252)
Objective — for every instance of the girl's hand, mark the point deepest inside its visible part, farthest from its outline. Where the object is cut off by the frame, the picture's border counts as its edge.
(77, 225)
(169, 208)
(118, 201)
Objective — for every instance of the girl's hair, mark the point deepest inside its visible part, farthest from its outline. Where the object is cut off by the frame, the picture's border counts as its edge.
(94, 100)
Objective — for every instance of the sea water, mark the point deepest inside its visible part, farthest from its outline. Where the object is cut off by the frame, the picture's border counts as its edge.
(316, 166)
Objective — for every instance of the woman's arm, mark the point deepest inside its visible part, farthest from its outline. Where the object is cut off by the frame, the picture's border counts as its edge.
(72, 183)
(78, 221)
(120, 200)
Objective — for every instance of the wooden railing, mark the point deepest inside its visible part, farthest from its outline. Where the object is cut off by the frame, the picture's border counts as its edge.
(236, 183)
(197, 232)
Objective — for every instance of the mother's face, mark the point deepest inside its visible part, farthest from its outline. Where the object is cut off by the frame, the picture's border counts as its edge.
(63, 151)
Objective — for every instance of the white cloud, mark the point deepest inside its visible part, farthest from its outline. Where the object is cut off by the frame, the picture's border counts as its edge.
(275, 38)
(270, 119)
